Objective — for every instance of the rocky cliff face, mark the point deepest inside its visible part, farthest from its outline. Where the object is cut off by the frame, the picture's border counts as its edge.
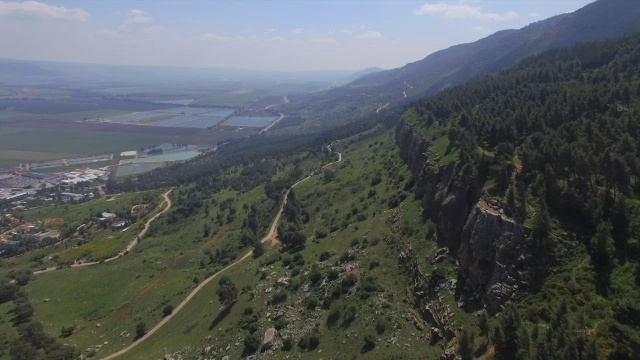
(445, 198)
(495, 253)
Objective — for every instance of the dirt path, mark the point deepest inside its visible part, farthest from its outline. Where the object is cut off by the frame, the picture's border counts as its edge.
(271, 236)
(130, 247)
(382, 107)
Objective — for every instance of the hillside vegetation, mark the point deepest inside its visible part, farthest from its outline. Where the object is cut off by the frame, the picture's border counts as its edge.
(550, 147)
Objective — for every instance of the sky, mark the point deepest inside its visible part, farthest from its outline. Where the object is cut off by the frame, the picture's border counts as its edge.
(291, 35)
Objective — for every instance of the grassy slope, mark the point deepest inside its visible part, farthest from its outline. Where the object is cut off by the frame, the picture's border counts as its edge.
(203, 322)
(162, 269)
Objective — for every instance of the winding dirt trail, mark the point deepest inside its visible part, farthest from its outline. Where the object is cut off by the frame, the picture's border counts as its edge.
(271, 236)
(132, 244)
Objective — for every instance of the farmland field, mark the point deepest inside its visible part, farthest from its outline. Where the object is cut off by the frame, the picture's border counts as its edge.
(227, 99)
(175, 102)
(70, 105)
(266, 102)
(251, 121)
(75, 141)
(200, 122)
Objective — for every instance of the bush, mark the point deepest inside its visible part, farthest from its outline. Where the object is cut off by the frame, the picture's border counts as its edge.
(315, 276)
(374, 264)
(369, 343)
(333, 274)
(346, 257)
(258, 249)
(280, 324)
(369, 284)
(349, 281)
(349, 315)
(167, 310)
(321, 233)
(67, 331)
(381, 326)
(251, 343)
(334, 314)
(311, 302)
(279, 297)
(287, 344)
(309, 341)
(141, 329)
(298, 259)
(325, 255)
(286, 261)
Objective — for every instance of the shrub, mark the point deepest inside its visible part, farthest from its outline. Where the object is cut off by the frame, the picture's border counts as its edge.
(298, 259)
(167, 310)
(287, 344)
(280, 324)
(309, 341)
(381, 326)
(325, 255)
(311, 302)
(321, 233)
(349, 315)
(315, 276)
(251, 343)
(67, 331)
(333, 274)
(141, 329)
(279, 297)
(369, 342)
(334, 314)
(349, 281)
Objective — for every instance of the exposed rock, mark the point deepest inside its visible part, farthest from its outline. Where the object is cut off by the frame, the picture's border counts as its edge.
(269, 339)
(496, 254)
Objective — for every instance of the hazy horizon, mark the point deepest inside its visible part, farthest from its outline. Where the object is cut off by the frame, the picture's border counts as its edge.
(252, 35)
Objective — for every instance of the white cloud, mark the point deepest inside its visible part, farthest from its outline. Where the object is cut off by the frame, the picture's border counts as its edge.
(323, 40)
(346, 31)
(370, 35)
(462, 10)
(108, 33)
(35, 8)
(137, 16)
(534, 15)
(276, 38)
(297, 30)
(213, 37)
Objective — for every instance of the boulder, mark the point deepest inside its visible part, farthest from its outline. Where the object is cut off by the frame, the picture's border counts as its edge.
(269, 339)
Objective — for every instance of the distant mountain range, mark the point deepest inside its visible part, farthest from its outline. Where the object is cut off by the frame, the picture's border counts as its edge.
(24, 72)
(600, 20)
(360, 74)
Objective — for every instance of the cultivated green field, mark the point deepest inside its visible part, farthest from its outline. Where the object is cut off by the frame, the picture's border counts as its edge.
(41, 144)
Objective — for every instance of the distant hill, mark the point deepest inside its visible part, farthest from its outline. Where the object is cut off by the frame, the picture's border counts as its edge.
(600, 20)
(360, 74)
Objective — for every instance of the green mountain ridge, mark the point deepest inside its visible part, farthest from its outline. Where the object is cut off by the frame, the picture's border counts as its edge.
(600, 20)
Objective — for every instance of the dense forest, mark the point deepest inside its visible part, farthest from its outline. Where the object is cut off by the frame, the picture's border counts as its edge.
(556, 138)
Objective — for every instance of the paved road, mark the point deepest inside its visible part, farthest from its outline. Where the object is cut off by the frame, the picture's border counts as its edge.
(129, 247)
(271, 236)
(273, 123)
